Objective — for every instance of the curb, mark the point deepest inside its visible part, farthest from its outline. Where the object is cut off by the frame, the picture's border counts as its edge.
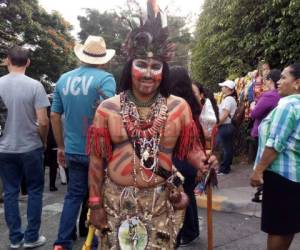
(232, 201)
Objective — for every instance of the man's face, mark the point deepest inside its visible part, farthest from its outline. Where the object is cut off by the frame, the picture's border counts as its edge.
(146, 76)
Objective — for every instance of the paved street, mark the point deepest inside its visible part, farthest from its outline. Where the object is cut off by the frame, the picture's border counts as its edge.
(231, 231)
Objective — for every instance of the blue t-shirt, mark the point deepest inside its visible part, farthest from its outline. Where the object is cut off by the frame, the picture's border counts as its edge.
(77, 95)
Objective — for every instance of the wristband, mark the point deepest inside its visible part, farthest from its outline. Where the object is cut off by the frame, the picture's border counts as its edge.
(94, 202)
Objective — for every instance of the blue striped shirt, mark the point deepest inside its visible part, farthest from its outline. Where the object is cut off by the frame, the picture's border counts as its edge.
(281, 130)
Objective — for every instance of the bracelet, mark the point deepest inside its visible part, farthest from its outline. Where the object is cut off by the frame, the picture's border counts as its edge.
(94, 202)
(94, 199)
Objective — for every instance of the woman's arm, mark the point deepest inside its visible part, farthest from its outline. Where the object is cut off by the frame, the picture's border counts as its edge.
(261, 108)
(268, 156)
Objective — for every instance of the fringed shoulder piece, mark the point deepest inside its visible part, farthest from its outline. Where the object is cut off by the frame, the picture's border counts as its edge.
(99, 142)
(187, 141)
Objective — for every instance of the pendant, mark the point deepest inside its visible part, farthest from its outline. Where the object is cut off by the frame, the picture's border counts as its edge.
(132, 234)
(145, 155)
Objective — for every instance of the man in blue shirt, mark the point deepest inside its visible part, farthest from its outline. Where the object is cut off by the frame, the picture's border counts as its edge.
(77, 95)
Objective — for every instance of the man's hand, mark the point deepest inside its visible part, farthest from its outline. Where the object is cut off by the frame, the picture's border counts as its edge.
(256, 179)
(61, 157)
(98, 218)
(213, 162)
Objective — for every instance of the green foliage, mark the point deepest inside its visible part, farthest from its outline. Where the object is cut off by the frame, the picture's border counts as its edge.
(233, 35)
(48, 35)
(110, 26)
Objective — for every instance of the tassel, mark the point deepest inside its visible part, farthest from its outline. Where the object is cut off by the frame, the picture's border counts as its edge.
(188, 141)
(99, 142)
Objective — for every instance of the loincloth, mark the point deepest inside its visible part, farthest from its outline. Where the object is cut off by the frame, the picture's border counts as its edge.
(145, 222)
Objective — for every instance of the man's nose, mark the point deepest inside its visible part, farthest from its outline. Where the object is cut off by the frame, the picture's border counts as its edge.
(148, 72)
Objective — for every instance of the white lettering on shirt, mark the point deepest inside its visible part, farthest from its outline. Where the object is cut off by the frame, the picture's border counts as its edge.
(77, 84)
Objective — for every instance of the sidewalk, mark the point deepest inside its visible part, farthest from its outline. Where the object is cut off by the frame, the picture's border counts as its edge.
(234, 193)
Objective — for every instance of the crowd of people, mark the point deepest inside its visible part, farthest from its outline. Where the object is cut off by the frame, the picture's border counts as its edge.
(134, 158)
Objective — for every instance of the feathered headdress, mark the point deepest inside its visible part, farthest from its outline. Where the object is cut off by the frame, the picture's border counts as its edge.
(151, 38)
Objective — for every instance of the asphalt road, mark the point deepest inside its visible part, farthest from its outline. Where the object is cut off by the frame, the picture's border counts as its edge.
(231, 231)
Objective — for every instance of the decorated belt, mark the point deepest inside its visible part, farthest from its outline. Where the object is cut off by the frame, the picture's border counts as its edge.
(169, 175)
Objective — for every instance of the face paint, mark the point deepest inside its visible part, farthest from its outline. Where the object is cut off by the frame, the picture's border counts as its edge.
(146, 76)
(147, 69)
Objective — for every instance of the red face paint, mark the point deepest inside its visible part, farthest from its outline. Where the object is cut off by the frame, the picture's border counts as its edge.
(136, 74)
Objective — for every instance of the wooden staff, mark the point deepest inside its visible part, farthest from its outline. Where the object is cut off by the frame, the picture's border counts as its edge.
(210, 238)
(211, 180)
(89, 239)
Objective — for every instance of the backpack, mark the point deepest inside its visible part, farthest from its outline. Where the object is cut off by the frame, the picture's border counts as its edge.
(239, 115)
(3, 116)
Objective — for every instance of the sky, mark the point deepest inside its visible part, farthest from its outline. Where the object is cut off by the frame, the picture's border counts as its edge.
(70, 9)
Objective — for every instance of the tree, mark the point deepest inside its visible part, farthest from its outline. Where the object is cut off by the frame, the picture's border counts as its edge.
(114, 27)
(233, 35)
(48, 36)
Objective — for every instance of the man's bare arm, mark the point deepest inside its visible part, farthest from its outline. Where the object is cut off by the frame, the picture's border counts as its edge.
(96, 177)
(43, 122)
(57, 128)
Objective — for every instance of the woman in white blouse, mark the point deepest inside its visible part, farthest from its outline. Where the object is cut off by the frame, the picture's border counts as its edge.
(226, 130)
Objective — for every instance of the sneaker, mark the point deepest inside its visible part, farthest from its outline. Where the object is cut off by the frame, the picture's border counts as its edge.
(40, 241)
(58, 247)
(53, 189)
(17, 245)
(222, 173)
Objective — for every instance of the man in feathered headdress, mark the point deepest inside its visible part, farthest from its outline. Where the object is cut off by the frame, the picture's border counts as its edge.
(136, 200)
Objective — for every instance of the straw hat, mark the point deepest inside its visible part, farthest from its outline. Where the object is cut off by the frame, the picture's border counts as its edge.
(94, 51)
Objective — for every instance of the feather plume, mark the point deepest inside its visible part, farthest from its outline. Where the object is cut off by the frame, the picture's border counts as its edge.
(152, 36)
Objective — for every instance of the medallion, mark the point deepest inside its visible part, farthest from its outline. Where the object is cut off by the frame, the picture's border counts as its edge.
(132, 234)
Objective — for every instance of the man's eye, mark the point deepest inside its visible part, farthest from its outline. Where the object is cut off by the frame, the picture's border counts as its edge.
(141, 65)
(156, 66)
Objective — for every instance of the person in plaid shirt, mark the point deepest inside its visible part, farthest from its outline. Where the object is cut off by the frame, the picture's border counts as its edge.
(277, 164)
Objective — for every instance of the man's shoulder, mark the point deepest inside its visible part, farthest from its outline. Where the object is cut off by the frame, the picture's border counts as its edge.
(174, 102)
(177, 99)
(111, 104)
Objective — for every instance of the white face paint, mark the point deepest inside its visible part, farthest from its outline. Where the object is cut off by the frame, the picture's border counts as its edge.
(151, 66)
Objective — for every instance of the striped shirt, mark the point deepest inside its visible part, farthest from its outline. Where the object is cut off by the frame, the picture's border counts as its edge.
(281, 130)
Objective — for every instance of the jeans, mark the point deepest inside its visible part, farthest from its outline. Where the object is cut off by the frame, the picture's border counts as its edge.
(190, 228)
(226, 138)
(77, 189)
(12, 167)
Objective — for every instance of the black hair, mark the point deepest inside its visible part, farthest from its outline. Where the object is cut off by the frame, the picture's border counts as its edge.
(274, 75)
(210, 96)
(181, 85)
(295, 70)
(126, 79)
(18, 56)
(234, 95)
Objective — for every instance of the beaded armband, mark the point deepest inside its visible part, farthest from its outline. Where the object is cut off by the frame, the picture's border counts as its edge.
(99, 142)
(188, 141)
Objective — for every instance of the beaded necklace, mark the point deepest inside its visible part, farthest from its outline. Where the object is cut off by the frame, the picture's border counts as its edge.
(144, 135)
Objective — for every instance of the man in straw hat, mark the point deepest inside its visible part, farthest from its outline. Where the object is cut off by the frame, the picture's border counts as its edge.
(77, 95)
(136, 201)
